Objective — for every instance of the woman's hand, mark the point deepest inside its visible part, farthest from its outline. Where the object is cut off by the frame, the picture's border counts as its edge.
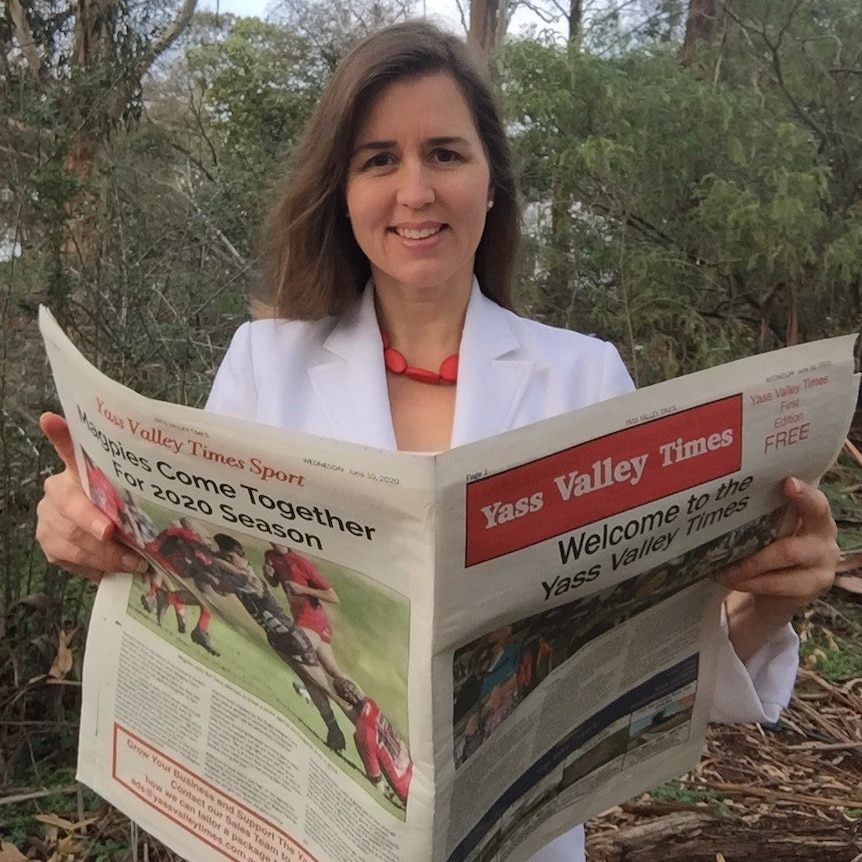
(769, 587)
(73, 532)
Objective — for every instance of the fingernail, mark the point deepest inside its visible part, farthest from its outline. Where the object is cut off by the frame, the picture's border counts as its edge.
(795, 485)
(99, 527)
(134, 563)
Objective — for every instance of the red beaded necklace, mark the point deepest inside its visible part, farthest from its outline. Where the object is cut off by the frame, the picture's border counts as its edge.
(397, 364)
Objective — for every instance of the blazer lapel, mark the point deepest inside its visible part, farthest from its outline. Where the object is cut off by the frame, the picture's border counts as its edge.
(351, 380)
(492, 373)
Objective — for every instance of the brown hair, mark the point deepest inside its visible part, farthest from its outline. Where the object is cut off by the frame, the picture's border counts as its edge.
(311, 265)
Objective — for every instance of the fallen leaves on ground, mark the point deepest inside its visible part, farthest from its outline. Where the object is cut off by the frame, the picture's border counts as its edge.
(788, 794)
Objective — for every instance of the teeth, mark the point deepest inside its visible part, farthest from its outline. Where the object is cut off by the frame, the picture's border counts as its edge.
(418, 234)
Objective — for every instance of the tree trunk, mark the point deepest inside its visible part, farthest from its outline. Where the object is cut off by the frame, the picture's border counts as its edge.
(576, 22)
(83, 239)
(699, 27)
(483, 26)
(792, 326)
(23, 34)
(561, 200)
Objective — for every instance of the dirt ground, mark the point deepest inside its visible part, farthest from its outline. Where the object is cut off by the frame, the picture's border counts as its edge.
(789, 794)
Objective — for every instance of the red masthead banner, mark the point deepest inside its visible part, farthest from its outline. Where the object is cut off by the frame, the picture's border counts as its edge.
(593, 481)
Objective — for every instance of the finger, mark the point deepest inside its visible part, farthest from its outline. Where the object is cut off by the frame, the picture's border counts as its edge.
(96, 574)
(785, 554)
(74, 509)
(81, 553)
(788, 583)
(811, 506)
(812, 546)
(792, 566)
(56, 429)
(93, 575)
(71, 530)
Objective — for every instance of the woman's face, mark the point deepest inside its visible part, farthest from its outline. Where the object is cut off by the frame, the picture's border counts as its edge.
(418, 187)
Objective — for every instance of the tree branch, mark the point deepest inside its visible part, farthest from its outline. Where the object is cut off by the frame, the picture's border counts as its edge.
(778, 76)
(168, 36)
(23, 35)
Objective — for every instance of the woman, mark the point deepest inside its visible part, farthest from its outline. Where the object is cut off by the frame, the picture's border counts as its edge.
(389, 261)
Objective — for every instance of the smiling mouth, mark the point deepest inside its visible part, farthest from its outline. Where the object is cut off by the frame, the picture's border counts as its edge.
(420, 233)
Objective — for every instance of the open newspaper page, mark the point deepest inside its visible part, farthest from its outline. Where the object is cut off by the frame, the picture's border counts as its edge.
(248, 699)
(576, 623)
(344, 654)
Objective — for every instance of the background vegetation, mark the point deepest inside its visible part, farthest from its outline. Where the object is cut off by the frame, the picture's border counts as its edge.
(692, 181)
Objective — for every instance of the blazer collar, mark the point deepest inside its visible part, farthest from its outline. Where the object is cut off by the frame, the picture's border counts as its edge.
(492, 373)
(351, 383)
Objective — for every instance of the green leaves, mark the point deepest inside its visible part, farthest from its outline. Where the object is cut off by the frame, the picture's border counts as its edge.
(695, 213)
(256, 86)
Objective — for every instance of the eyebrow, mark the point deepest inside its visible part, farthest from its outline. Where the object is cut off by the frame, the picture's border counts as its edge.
(440, 141)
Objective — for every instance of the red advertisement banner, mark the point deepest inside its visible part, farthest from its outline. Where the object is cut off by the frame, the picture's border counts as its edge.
(220, 821)
(551, 496)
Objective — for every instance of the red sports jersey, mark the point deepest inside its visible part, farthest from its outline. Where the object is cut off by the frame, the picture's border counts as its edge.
(175, 547)
(382, 750)
(307, 611)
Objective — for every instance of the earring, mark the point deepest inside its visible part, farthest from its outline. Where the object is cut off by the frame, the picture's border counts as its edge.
(490, 204)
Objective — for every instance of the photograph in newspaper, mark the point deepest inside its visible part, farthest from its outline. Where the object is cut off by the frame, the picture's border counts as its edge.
(546, 654)
(265, 617)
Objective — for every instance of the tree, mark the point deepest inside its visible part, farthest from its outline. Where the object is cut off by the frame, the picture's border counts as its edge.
(805, 68)
(83, 194)
(91, 62)
(702, 217)
(249, 95)
(333, 27)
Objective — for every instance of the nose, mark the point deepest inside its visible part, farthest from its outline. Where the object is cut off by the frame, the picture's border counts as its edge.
(415, 186)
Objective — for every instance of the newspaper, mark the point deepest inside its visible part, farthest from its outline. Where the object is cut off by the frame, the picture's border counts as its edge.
(341, 653)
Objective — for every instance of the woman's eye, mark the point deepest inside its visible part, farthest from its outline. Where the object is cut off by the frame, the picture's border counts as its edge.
(446, 156)
(379, 160)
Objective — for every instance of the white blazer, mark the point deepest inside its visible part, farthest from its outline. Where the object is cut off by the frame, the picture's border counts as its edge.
(327, 377)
